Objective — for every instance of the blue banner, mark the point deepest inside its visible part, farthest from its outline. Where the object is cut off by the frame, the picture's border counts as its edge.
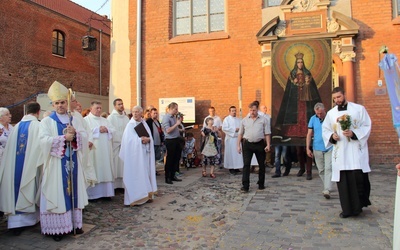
(392, 76)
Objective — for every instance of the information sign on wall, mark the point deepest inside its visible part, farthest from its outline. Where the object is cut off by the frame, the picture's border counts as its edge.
(186, 105)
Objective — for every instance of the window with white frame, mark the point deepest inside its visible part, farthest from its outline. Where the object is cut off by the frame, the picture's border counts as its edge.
(271, 3)
(198, 16)
(396, 8)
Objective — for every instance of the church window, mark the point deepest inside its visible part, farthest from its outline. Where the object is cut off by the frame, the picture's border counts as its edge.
(271, 3)
(396, 8)
(58, 43)
(198, 16)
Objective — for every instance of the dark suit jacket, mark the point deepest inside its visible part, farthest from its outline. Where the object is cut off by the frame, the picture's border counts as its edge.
(150, 122)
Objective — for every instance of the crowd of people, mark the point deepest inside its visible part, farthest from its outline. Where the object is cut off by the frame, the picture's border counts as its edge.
(51, 169)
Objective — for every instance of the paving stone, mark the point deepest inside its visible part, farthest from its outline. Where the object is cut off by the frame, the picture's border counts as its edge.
(205, 213)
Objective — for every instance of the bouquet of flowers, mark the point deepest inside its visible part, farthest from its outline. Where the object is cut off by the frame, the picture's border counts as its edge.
(345, 123)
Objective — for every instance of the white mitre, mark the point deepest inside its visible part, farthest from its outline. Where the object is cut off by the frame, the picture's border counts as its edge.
(57, 91)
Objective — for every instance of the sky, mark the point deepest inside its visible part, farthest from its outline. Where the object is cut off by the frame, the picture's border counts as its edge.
(95, 5)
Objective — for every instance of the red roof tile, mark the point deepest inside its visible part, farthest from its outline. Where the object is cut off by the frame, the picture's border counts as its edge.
(78, 13)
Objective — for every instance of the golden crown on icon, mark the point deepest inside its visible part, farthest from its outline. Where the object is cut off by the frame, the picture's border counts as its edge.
(299, 55)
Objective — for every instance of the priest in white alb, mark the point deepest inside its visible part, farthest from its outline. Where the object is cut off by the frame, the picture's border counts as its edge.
(101, 153)
(347, 127)
(230, 126)
(19, 172)
(118, 120)
(86, 139)
(137, 153)
(63, 190)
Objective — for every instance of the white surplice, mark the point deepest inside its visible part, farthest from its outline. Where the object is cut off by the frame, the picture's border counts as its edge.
(86, 137)
(119, 122)
(139, 166)
(29, 179)
(55, 219)
(348, 155)
(101, 157)
(396, 226)
(232, 159)
(4, 137)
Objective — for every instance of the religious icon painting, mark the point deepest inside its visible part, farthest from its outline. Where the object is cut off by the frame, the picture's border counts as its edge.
(301, 77)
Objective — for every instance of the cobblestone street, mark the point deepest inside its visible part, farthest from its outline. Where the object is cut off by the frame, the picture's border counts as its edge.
(205, 213)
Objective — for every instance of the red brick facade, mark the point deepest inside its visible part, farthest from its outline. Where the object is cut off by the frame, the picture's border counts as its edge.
(207, 69)
(27, 65)
(375, 31)
(207, 66)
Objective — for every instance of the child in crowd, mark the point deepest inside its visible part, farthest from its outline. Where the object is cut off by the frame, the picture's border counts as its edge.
(209, 147)
(189, 151)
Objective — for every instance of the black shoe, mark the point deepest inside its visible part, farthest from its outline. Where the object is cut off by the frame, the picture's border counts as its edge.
(341, 215)
(79, 231)
(244, 190)
(261, 187)
(17, 231)
(285, 174)
(309, 177)
(232, 171)
(176, 179)
(57, 237)
(168, 181)
(276, 176)
(301, 172)
(237, 171)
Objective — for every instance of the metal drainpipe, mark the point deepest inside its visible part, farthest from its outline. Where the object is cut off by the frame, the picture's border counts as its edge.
(139, 53)
(100, 58)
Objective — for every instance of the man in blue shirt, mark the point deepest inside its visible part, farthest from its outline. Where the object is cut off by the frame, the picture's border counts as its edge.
(323, 156)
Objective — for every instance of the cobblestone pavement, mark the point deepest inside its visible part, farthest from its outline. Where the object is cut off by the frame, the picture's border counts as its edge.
(205, 213)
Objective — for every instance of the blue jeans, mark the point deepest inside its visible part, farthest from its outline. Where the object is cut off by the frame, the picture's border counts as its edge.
(282, 151)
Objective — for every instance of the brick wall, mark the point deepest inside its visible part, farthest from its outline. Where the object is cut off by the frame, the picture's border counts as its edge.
(209, 69)
(375, 31)
(27, 65)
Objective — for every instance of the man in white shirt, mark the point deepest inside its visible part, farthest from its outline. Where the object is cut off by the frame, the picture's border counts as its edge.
(254, 138)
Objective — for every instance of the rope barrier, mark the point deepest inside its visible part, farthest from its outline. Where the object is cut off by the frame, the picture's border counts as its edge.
(25, 100)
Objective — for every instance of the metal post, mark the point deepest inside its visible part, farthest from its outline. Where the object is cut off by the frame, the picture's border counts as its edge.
(240, 91)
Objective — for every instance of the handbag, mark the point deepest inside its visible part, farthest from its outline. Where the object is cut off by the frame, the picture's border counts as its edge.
(209, 149)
